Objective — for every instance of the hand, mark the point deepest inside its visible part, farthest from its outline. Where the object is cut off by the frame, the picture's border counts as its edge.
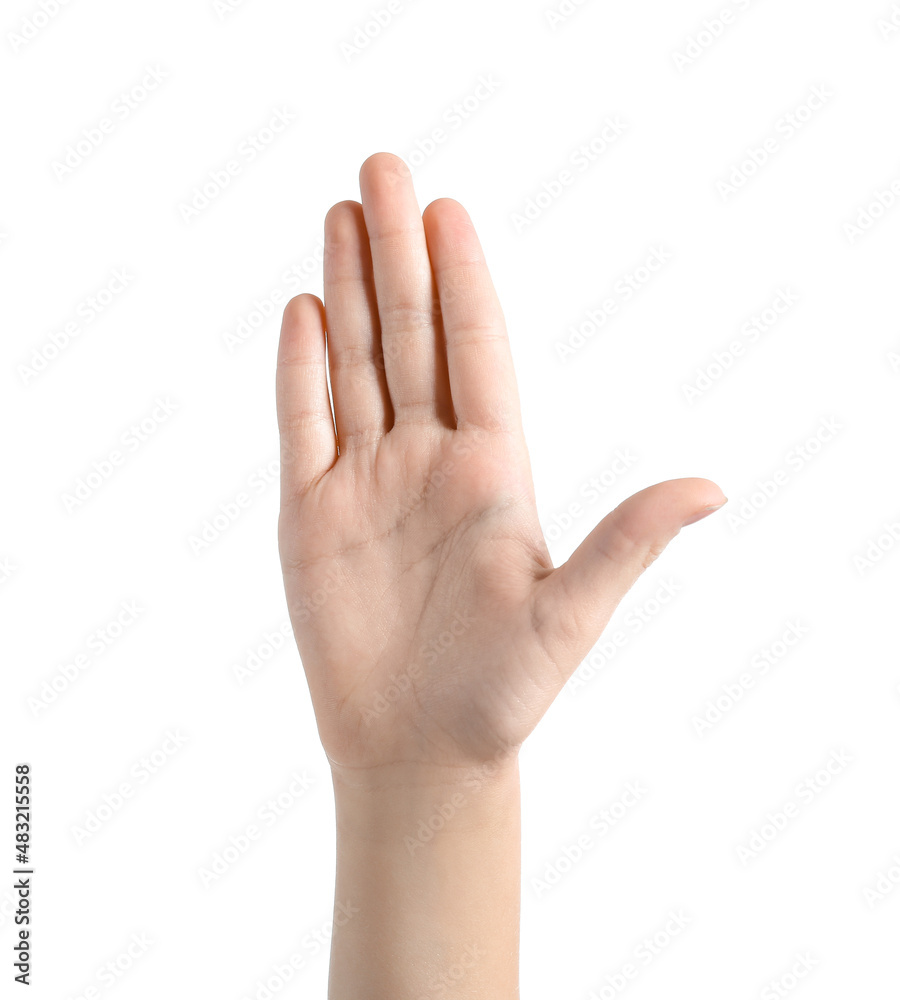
(432, 626)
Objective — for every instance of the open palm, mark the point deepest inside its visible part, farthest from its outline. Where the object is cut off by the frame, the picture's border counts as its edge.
(432, 626)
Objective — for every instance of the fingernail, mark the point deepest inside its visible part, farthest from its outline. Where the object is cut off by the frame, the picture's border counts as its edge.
(704, 513)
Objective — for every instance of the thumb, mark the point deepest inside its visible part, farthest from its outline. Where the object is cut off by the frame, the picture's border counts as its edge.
(573, 604)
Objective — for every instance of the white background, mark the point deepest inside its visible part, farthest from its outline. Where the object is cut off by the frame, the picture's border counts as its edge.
(180, 330)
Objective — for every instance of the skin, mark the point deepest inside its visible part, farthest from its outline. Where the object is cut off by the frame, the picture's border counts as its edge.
(433, 628)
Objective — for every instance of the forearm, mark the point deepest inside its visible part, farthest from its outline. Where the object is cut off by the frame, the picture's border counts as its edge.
(430, 865)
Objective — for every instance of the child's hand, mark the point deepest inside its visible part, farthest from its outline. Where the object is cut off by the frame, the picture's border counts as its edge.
(432, 626)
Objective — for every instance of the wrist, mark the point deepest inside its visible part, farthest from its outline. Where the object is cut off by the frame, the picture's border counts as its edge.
(430, 861)
(415, 803)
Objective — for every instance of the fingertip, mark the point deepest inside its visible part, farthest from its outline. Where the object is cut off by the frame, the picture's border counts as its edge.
(683, 495)
(451, 233)
(705, 512)
(383, 165)
(445, 206)
(703, 492)
(301, 307)
(300, 312)
(707, 499)
(306, 428)
(341, 213)
(660, 511)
